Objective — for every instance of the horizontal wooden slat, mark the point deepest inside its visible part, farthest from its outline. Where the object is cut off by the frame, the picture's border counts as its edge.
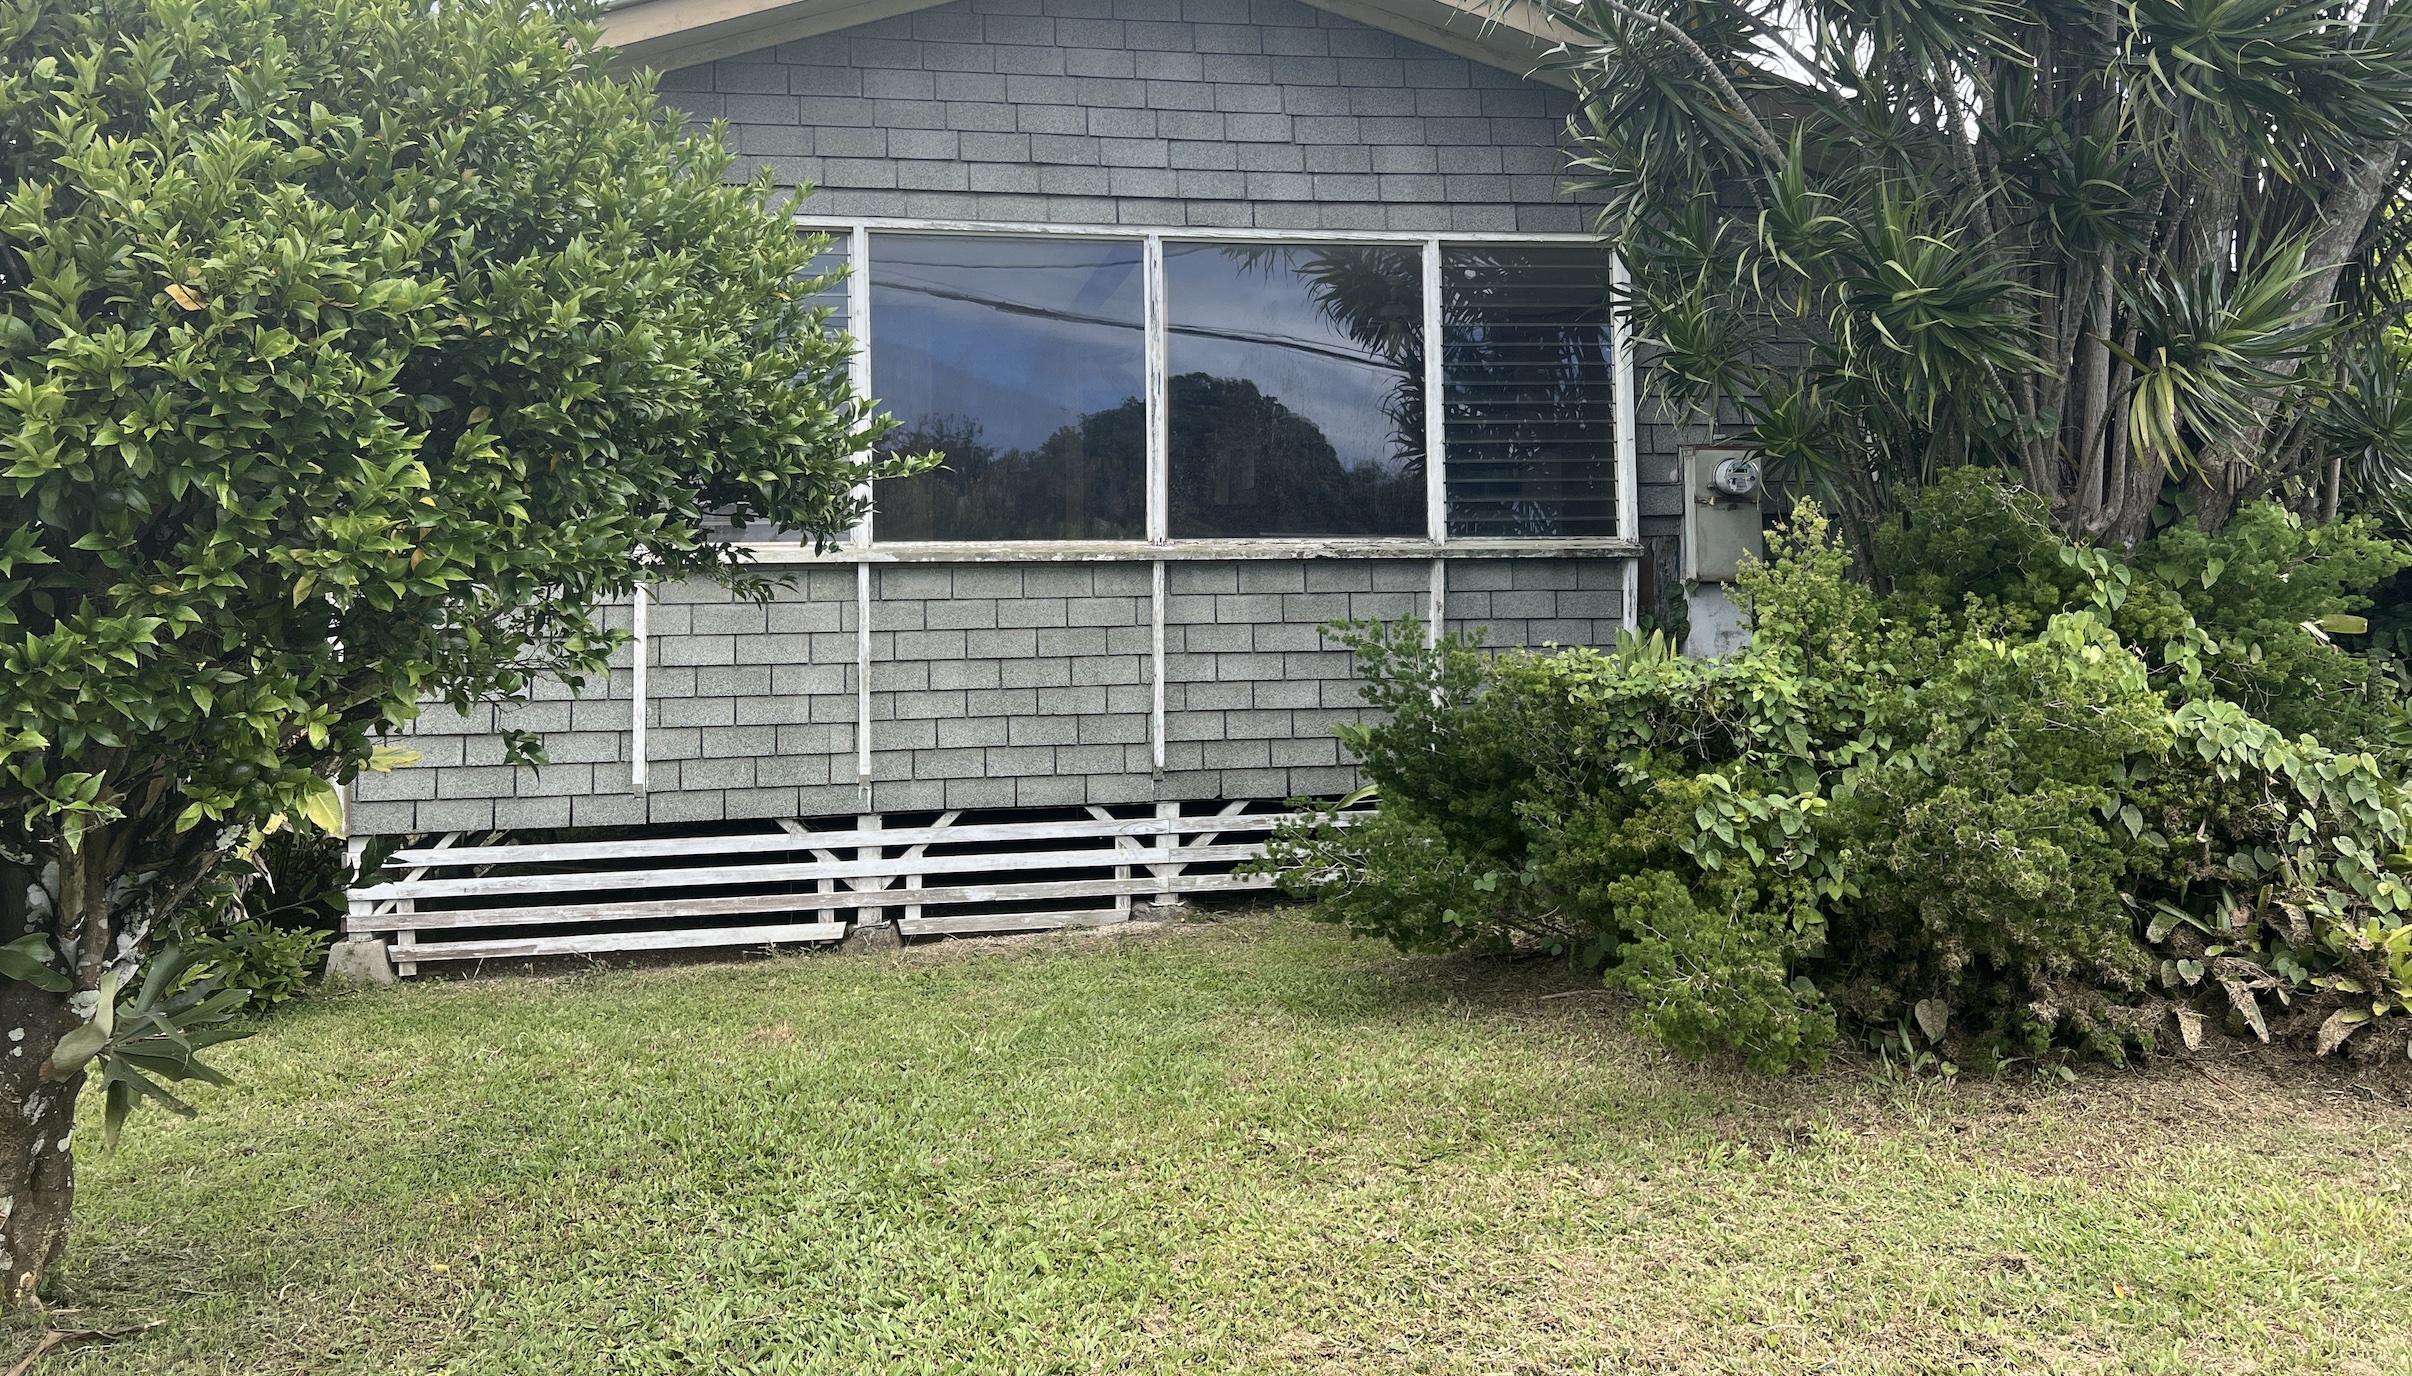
(658, 909)
(759, 843)
(1009, 922)
(601, 943)
(564, 914)
(1113, 860)
(800, 872)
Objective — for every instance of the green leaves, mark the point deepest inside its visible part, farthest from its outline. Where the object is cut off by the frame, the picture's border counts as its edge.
(2213, 342)
(156, 1035)
(352, 354)
(2073, 244)
(1949, 808)
(28, 959)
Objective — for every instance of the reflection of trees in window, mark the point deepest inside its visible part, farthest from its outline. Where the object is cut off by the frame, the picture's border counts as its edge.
(1297, 402)
(1530, 392)
(1375, 294)
(1081, 483)
(1244, 464)
(1018, 358)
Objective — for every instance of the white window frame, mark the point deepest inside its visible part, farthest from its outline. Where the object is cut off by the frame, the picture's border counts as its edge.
(1435, 543)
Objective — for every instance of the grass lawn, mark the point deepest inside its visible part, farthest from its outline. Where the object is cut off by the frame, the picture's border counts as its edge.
(1251, 1145)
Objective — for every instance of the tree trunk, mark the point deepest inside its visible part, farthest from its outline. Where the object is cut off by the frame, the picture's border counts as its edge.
(2095, 370)
(37, 1117)
(2213, 488)
(2144, 474)
(2345, 213)
(85, 899)
(67, 896)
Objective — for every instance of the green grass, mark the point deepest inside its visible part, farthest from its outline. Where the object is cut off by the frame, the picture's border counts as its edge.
(1249, 1146)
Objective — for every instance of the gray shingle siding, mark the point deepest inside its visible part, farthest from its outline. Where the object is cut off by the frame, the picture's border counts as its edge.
(992, 686)
(1268, 114)
(1028, 685)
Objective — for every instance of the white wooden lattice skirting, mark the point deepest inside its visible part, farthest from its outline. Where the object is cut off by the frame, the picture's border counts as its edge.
(797, 882)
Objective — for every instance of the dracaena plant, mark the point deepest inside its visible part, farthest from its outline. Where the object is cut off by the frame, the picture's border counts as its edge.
(2111, 246)
(352, 353)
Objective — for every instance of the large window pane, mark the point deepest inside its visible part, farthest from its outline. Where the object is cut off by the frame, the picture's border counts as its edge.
(1296, 389)
(1023, 360)
(1530, 391)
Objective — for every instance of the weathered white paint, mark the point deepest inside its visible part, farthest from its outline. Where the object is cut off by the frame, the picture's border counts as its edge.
(1436, 602)
(1159, 397)
(1628, 445)
(858, 365)
(1436, 411)
(639, 658)
(1131, 857)
(862, 680)
(1185, 233)
(1155, 675)
(663, 34)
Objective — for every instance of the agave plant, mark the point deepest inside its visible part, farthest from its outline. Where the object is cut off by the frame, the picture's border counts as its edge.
(2103, 244)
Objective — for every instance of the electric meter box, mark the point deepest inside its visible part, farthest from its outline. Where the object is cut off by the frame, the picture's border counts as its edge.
(1721, 488)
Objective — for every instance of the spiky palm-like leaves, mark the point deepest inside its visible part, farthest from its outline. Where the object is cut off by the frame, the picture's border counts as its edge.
(2095, 242)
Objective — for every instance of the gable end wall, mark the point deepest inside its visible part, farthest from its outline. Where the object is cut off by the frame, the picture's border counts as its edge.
(1261, 114)
(1026, 686)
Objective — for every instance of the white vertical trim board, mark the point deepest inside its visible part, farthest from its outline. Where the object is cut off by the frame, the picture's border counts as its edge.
(858, 324)
(1159, 400)
(1436, 603)
(862, 680)
(1436, 411)
(1628, 441)
(1155, 676)
(639, 652)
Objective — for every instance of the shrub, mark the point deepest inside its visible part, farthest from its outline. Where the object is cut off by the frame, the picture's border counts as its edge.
(1976, 551)
(262, 923)
(2013, 797)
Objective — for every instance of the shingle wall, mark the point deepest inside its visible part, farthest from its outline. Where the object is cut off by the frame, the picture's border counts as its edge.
(993, 686)
(1026, 685)
(1235, 113)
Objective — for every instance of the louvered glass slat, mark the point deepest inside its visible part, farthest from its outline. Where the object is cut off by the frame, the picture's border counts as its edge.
(1529, 393)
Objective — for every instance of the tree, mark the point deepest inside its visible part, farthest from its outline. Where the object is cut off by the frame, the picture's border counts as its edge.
(2098, 243)
(351, 352)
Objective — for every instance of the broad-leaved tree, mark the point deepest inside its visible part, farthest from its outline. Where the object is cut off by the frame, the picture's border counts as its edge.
(352, 353)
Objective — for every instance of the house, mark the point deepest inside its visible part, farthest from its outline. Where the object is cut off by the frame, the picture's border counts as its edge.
(1163, 278)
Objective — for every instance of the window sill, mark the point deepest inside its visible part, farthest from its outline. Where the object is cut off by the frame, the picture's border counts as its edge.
(1140, 551)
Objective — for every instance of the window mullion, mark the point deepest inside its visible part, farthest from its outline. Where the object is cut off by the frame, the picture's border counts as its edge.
(858, 321)
(1159, 435)
(1628, 448)
(1436, 439)
(1620, 335)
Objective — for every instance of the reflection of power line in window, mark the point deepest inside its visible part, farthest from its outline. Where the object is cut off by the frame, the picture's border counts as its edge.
(1270, 341)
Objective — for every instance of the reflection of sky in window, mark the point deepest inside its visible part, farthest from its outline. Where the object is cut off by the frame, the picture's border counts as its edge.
(1251, 313)
(1022, 335)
